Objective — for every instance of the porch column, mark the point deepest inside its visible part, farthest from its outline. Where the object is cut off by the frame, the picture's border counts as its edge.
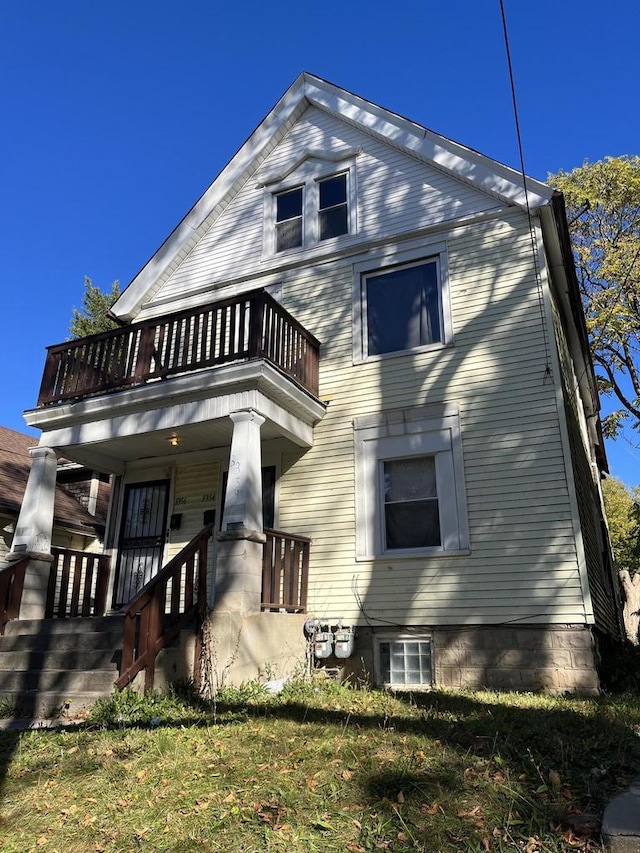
(238, 582)
(32, 538)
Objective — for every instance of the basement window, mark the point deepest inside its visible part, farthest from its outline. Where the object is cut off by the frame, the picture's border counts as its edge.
(404, 661)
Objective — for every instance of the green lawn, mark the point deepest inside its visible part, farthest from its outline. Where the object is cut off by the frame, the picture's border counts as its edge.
(321, 768)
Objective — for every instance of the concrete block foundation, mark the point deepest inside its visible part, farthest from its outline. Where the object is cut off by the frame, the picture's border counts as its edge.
(553, 658)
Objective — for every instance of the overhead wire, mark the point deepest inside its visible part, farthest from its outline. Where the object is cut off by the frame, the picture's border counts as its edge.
(532, 235)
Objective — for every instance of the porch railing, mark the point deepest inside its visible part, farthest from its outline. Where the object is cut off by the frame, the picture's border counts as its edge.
(249, 326)
(162, 608)
(78, 584)
(11, 585)
(285, 572)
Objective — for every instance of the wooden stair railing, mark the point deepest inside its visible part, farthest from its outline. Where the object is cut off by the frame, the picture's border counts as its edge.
(285, 572)
(78, 584)
(11, 585)
(162, 608)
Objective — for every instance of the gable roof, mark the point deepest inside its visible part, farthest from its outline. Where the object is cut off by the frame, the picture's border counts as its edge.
(438, 151)
(15, 464)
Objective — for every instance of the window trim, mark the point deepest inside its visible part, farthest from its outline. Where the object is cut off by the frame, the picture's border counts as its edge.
(308, 175)
(404, 637)
(398, 434)
(388, 261)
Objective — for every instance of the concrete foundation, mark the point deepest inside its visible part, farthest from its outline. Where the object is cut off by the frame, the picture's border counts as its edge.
(552, 658)
(257, 647)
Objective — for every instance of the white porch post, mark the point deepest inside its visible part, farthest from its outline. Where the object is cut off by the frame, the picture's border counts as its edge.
(32, 538)
(238, 583)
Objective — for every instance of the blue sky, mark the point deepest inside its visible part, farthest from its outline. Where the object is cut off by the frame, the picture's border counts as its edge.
(117, 116)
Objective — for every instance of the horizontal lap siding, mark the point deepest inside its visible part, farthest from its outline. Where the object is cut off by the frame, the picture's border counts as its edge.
(195, 491)
(396, 194)
(523, 562)
(598, 571)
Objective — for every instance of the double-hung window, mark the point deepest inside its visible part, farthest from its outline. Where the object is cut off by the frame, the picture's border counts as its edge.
(410, 495)
(401, 305)
(313, 203)
(333, 211)
(289, 219)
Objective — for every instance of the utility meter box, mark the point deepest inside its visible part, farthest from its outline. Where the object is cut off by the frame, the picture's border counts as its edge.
(344, 642)
(323, 644)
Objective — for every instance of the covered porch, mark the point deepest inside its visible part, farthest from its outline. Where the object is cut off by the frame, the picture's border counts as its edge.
(141, 403)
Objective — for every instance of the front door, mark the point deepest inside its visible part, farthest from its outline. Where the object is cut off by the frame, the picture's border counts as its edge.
(142, 536)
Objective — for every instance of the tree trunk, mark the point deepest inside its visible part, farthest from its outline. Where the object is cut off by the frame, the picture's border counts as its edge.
(631, 611)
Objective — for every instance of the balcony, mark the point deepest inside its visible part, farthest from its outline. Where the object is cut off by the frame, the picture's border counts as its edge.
(241, 329)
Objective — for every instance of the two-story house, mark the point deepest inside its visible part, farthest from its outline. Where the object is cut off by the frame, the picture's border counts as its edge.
(355, 378)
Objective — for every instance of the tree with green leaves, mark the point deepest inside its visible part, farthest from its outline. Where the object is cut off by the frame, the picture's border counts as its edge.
(94, 315)
(603, 210)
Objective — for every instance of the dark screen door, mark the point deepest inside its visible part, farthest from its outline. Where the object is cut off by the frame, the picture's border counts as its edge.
(142, 535)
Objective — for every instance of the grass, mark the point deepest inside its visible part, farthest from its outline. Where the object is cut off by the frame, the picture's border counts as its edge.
(321, 768)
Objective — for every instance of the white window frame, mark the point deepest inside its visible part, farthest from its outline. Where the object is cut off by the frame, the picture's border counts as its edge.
(388, 637)
(400, 434)
(308, 176)
(387, 261)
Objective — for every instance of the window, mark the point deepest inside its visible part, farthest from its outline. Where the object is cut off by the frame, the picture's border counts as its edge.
(404, 661)
(289, 219)
(327, 212)
(332, 208)
(310, 203)
(410, 496)
(401, 306)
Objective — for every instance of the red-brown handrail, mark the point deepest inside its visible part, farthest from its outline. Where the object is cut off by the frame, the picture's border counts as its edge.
(162, 608)
(251, 325)
(11, 585)
(285, 572)
(78, 584)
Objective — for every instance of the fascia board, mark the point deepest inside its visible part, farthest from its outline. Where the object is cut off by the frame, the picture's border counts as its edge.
(128, 305)
(449, 156)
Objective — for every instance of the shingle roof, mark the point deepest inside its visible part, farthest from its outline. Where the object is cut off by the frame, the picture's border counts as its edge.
(15, 464)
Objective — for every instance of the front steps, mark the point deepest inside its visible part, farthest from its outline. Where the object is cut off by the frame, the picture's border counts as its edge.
(54, 667)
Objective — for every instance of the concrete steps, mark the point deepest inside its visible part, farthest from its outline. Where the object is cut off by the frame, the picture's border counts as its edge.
(58, 666)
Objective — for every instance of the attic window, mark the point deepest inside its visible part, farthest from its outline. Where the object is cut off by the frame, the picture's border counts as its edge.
(313, 203)
(289, 219)
(333, 213)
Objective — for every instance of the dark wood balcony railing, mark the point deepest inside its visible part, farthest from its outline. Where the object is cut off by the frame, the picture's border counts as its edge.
(285, 572)
(78, 584)
(250, 326)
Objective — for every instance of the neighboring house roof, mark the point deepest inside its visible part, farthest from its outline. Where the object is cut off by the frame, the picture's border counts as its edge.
(15, 464)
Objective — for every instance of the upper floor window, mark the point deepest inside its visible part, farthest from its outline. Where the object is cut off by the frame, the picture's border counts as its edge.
(401, 307)
(289, 219)
(316, 211)
(333, 212)
(311, 203)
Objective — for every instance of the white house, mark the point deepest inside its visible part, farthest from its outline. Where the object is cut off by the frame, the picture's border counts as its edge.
(370, 337)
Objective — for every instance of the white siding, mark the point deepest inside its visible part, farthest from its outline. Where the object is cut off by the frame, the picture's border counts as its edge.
(522, 563)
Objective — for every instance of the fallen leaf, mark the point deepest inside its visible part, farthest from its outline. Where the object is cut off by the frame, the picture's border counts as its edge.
(554, 778)
(400, 797)
(434, 809)
(346, 775)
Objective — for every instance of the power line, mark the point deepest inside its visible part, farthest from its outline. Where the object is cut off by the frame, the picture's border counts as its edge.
(534, 251)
